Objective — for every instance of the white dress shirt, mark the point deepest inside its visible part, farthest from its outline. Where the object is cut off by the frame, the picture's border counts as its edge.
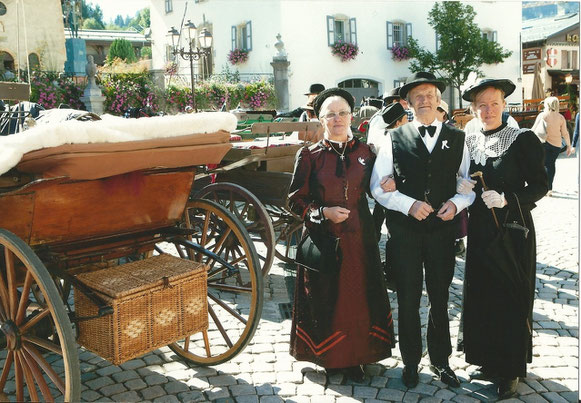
(384, 166)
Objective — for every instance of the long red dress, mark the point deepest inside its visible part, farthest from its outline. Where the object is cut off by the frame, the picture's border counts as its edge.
(340, 320)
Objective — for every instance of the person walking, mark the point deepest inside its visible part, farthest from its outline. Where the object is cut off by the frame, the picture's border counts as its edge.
(425, 156)
(556, 129)
(342, 316)
(496, 331)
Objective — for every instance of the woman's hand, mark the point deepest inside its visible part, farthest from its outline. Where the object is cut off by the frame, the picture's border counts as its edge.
(570, 150)
(336, 214)
(493, 199)
(464, 186)
(388, 184)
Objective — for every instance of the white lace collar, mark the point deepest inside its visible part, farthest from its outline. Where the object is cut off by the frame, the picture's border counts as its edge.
(483, 146)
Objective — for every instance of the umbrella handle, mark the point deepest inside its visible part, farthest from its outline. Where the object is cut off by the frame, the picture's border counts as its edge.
(484, 187)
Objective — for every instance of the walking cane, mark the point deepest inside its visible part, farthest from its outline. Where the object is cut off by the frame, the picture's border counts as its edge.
(484, 187)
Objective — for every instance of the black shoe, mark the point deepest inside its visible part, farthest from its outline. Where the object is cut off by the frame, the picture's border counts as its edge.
(507, 388)
(446, 375)
(355, 373)
(410, 376)
(483, 374)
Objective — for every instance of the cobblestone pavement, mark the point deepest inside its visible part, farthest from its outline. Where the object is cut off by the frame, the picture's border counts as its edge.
(265, 372)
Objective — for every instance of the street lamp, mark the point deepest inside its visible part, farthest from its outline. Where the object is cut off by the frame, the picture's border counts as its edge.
(193, 52)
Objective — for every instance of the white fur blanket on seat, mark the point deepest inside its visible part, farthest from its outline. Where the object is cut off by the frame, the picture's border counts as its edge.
(111, 129)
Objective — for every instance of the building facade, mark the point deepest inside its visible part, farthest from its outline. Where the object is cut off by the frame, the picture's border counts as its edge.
(31, 33)
(310, 28)
(554, 44)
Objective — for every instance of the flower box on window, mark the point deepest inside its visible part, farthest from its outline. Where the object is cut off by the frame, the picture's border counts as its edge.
(345, 50)
(400, 52)
(238, 56)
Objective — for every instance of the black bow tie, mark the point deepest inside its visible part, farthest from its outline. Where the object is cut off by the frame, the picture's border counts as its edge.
(430, 129)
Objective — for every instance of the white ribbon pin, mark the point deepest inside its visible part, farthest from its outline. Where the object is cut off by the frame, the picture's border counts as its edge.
(361, 161)
(445, 144)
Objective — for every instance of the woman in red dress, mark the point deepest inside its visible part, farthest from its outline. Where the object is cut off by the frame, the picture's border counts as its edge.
(341, 319)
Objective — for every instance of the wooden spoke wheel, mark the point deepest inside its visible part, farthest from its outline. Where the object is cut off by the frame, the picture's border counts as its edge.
(235, 287)
(41, 358)
(251, 212)
(288, 228)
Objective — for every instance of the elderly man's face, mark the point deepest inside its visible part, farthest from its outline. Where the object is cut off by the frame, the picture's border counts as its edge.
(424, 100)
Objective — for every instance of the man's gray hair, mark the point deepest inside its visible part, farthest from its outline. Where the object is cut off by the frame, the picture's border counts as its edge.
(438, 95)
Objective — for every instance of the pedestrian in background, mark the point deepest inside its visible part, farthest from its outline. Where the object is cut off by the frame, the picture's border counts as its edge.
(341, 316)
(556, 129)
(424, 156)
(496, 332)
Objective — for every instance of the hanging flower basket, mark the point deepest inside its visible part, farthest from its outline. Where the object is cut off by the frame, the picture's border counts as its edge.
(237, 56)
(400, 53)
(345, 50)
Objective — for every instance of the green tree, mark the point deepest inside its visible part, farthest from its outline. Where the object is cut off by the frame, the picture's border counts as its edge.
(92, 23)
(122, 49)
(146, 52)
(92, 11)
(462, 49)
(141, 20)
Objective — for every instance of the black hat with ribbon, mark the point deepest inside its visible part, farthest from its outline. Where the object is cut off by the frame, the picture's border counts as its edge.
(315, 89)
(419, 78)
(389, 97)
(392, 113)
(503, 84)
(333, 92)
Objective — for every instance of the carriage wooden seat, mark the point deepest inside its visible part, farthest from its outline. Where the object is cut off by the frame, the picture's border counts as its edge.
(101, 160)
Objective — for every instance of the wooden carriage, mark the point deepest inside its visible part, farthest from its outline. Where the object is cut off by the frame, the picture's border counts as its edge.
(111, 227)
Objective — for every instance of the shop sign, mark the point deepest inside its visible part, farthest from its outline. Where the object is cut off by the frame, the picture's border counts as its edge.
(552, 57)
(531, 54)
(572, 38)
(528, 68)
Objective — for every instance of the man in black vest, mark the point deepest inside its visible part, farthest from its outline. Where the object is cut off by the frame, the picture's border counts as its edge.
(424, 156)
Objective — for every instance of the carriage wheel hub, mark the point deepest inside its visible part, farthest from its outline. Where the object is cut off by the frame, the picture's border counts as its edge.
(11, 334)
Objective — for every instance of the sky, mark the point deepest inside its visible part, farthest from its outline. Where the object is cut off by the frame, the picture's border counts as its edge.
(112, 8)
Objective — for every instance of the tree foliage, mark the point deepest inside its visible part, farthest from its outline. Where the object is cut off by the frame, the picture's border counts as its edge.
(88, 11)
(462, 49)
(121, 49)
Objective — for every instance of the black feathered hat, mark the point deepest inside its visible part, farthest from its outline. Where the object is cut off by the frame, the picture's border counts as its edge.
(419, 78)
(502, 84)
(332, 92)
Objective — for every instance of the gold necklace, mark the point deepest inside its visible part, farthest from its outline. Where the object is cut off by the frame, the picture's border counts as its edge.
(340, 154)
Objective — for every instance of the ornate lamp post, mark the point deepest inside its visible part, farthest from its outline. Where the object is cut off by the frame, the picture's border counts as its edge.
(193, 52)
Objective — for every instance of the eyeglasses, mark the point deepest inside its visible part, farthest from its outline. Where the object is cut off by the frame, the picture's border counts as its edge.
(332, 115)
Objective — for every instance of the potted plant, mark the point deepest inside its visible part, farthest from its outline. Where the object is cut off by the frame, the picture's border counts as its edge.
(400, 52)
(345, 50)
(237, 56)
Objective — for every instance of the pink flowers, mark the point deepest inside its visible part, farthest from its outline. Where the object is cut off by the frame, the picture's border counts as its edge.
(345, 50)
(399, 52)
(237, 56)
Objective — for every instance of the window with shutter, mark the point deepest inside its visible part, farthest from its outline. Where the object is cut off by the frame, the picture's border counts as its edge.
(242, 36)
(398, 34)
(248, 36)
(408, 32)
(330, 30)
(168, 6)
(389, 30)
(353, 30)
(234, 37)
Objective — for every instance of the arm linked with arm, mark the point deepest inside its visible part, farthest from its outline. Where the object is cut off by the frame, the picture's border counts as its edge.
(462, 201)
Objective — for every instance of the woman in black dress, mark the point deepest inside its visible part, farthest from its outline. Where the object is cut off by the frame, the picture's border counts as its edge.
(496, 312)
(341, 319)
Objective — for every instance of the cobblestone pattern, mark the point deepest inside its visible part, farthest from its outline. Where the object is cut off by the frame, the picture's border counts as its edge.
(265, 372)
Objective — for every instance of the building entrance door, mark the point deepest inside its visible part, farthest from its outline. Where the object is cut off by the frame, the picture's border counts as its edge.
(360, 88)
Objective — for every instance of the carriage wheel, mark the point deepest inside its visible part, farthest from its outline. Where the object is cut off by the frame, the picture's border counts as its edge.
(235, 290)
(288, 229)
(248, 210)
(41, 352)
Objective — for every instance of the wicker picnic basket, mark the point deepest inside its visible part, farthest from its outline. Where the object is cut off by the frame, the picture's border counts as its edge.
(155, 301)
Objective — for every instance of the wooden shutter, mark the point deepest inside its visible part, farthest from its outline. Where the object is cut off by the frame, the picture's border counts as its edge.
(353, 30)
(389, 27)
(249, 35)
(494, 36)
(330, 30)
(408, 32)
(233, 37)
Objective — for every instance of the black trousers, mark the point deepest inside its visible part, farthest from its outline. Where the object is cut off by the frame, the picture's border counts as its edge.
(414, 251)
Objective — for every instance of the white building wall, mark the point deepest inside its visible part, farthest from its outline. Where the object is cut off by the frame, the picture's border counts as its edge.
(303, 27)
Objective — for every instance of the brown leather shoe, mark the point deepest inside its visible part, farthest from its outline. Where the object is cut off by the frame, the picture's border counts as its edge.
(507, 388)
